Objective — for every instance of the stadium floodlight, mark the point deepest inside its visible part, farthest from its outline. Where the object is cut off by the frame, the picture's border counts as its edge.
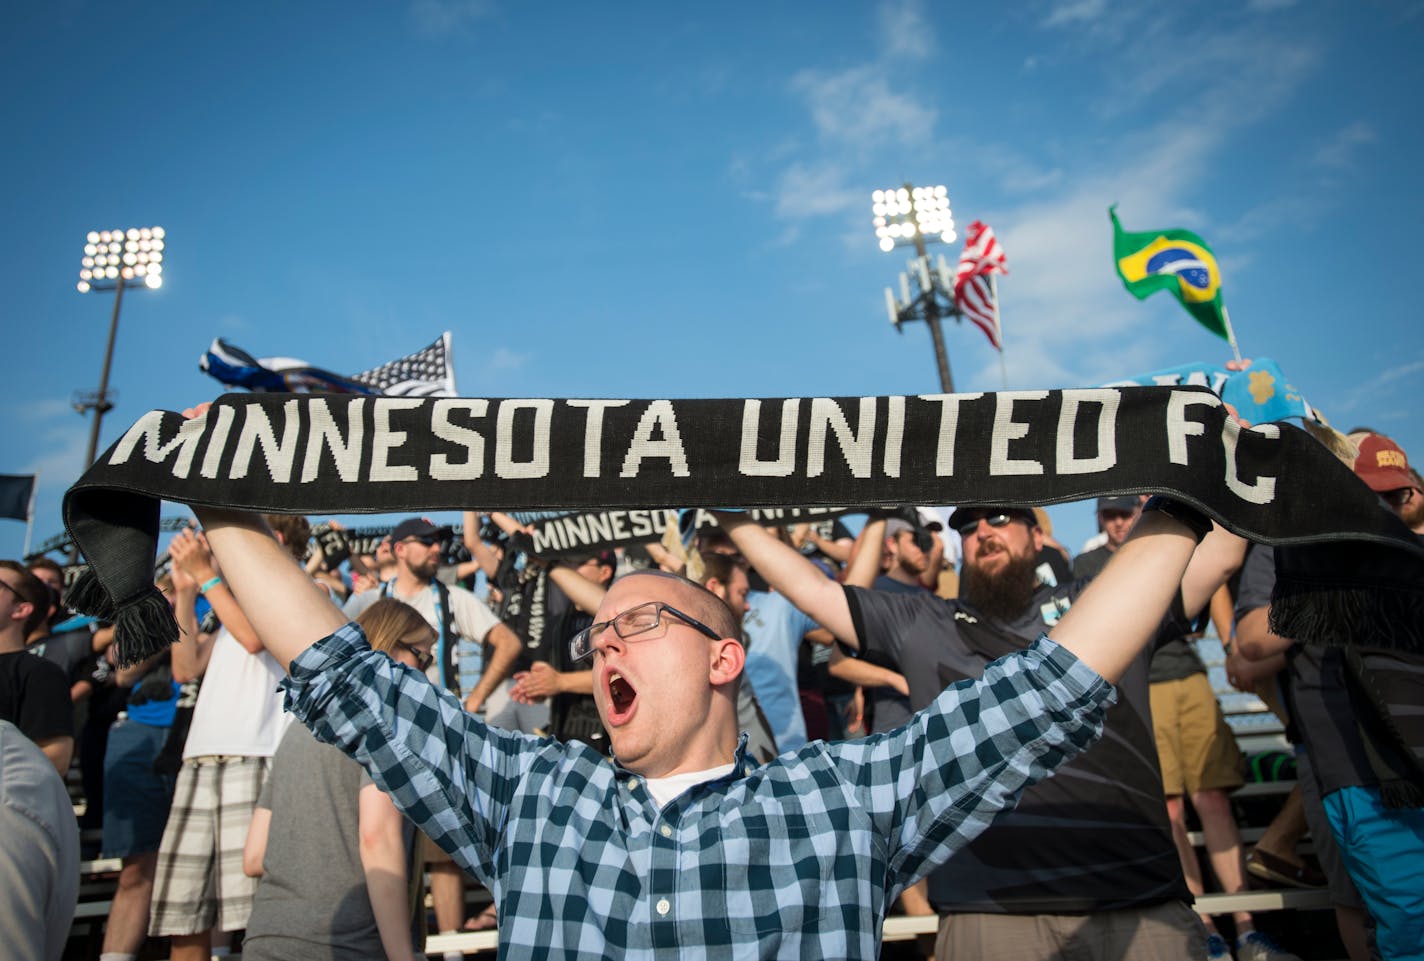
(911, 216)
(115, 260)
(133, 256)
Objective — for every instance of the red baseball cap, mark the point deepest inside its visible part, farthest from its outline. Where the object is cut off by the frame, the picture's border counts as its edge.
(1382, 464)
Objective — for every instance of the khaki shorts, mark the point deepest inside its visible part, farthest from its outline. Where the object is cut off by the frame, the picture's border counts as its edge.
(1162, 932)
(199, 882)
(1196, 747)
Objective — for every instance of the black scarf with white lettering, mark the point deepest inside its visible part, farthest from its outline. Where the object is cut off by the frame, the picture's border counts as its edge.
(320, 454)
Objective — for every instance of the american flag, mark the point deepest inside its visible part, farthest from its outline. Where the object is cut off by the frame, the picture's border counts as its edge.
(425, 373)
(982, 256)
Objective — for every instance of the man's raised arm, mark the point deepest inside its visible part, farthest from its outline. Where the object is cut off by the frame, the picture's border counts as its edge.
(286, 607)
(803, 583)
(1108, 634)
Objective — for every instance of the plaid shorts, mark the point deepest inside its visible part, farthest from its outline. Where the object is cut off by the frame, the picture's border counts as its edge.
(199, 881)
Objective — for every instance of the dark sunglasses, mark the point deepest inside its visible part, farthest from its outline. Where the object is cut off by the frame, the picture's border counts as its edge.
(1398, 498)
(423, 659)
(969, 528)
(429, 540)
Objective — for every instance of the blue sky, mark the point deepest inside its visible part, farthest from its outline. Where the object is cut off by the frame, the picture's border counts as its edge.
(650, 200)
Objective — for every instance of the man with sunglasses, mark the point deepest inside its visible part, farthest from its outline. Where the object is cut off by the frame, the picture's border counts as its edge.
(1087, 856)
(681, 847)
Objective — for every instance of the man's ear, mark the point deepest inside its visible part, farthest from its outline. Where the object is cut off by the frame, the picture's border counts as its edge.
(728, 659)
(1037, 538)
(21, 611)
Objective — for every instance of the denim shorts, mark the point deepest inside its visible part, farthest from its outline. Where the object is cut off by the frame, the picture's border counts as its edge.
(136, 800)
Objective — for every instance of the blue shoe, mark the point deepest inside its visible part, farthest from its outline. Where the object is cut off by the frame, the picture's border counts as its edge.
(1216, 949)
(1255, 946)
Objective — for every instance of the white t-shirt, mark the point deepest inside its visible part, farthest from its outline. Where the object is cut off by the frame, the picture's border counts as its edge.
(239, 708)
(472, 619)
(664, 789)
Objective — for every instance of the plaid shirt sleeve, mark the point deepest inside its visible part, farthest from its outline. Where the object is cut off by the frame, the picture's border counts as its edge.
(935, 784)
(445, 769)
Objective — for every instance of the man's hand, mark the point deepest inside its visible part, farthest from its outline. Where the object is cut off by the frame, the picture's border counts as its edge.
(541, 681)
(191, 554)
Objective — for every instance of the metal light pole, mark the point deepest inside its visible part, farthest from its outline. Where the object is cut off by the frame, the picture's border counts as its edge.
(912, 216)
(114, 260)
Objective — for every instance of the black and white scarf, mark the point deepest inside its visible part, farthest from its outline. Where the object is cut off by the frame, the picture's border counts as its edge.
(318, 454)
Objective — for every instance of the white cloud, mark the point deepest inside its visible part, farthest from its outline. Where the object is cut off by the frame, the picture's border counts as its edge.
(903, 31)
(440, 18)
(815, 192)
(1076, 12)
(858, 107)
(1341, 150)
(502, 358)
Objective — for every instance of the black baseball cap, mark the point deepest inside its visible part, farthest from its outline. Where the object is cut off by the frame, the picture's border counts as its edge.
(963, 515)
(1120, 502)
(422, 528)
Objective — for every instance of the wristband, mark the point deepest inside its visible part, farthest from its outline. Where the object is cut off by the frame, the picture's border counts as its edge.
(1185, 514)
(209, 584)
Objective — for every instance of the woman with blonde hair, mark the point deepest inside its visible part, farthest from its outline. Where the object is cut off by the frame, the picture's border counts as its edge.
(333, 854)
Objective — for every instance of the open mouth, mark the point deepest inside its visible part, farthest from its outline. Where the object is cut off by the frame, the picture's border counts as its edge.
(621, 698)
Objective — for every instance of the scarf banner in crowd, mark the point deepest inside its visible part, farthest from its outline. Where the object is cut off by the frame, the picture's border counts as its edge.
(587, 532)
(1260, 393)
(314, 454)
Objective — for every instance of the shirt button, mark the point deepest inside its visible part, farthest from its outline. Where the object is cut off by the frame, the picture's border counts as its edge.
(632, 784)
(663, 906)
(666, 831)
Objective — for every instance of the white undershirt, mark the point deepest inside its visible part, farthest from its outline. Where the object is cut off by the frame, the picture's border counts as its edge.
(664, 789)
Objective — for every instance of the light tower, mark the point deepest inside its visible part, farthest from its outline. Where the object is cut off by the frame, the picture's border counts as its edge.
(915, 216)
(114, 260)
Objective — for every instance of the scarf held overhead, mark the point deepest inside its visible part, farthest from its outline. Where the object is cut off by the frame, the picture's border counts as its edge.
(319, 454)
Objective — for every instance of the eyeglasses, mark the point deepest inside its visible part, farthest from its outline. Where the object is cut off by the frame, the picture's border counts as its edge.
(16, 591)
(429, 540)
(969, 528)
(1398, 498)
(634, 622)
(423, 659)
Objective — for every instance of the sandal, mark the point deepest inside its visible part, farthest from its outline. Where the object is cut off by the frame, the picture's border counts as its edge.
(486, 920)
(1271, 867)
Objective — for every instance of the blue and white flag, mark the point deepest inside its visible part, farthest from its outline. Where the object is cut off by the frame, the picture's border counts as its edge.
(425, 373)
(1260, 393)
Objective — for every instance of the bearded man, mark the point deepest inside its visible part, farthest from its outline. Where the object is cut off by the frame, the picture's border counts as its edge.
(1086, 862)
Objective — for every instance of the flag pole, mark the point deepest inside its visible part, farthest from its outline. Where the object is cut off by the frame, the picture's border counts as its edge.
(1230, 333)
(999, 329)
(30, 516)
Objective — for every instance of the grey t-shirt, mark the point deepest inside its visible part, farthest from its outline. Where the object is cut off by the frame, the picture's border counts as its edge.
(1093, 837)
(311, 902)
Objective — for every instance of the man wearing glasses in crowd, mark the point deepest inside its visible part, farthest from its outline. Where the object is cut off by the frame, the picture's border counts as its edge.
(681, 846)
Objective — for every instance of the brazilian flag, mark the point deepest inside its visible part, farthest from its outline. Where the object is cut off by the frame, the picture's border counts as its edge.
(1175, 260)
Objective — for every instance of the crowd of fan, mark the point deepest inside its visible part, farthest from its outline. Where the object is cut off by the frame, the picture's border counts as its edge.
(230, 819)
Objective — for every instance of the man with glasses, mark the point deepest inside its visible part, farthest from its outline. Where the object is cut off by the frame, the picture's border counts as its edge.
(34, 693)
(1086, 858)
(681, 846)
(1116, 515)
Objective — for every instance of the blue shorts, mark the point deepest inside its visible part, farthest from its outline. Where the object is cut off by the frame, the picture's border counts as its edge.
(136, 800)
(1384, 852)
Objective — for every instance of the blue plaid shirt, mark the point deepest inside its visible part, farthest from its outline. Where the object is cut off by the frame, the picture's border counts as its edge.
(796, 858)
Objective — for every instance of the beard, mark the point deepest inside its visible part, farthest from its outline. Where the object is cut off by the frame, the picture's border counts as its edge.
(1413, 513)
(1005, 595)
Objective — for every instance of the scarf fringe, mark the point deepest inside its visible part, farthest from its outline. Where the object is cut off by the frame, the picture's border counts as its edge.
(87, 596)
(1401, 794)
(143, 627)
(1341, 615)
